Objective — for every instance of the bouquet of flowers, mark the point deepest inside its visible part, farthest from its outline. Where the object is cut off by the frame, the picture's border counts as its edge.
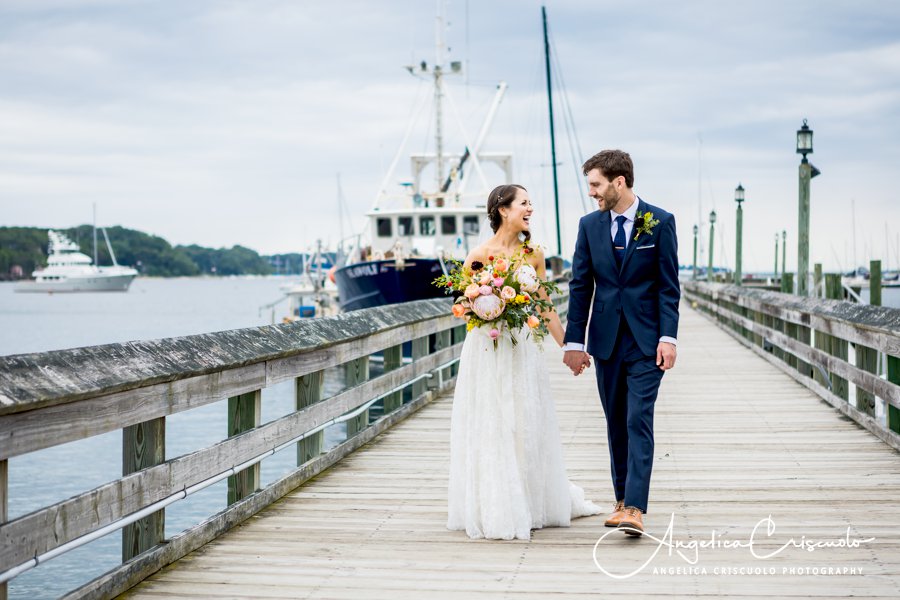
(500, 293)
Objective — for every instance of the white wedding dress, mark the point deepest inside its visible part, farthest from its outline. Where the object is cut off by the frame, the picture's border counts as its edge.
(507, 474)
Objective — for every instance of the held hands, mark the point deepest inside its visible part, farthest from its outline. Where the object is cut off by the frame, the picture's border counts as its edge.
(665, 356)
(577, 361)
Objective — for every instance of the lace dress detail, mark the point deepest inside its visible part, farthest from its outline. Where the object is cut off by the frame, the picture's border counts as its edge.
(507, 474)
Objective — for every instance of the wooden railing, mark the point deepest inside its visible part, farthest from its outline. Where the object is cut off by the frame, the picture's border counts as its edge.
(52, 398)
(845, 352)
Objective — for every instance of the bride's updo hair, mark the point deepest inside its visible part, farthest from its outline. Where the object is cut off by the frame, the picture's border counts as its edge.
(503, 195)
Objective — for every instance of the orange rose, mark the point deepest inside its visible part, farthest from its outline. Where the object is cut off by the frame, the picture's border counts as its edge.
(533, 321)
(459, 311)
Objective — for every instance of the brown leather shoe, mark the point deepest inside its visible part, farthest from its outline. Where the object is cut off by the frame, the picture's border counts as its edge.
(631, 523)
(617, 514)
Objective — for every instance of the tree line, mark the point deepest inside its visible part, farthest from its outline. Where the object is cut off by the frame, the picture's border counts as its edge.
(151, 255)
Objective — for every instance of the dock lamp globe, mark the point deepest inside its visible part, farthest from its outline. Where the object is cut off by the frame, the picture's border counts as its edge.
(804, 140)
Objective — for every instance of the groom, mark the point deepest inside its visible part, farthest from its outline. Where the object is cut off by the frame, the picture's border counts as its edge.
(624, 292)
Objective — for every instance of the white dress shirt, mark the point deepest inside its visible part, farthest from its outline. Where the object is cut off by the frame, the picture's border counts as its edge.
(630, 213)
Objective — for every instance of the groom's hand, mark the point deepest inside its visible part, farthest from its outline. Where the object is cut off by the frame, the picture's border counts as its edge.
(665, 355)
(577, 361)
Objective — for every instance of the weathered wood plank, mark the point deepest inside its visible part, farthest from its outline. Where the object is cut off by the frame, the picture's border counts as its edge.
(32, 430)
(30, 381)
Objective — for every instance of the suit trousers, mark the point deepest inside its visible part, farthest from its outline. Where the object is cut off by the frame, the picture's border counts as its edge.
(628, 383)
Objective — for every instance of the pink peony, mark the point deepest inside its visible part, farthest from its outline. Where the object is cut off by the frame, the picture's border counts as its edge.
(494, 333)
(473, 291)
(485, 290)
(498, 282)
(507, 293)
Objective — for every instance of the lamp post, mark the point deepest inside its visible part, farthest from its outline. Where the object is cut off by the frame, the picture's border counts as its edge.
(807, 172)
(712, 232)
(776, 256)
(739, 198)
(783, 251)
(696, 231)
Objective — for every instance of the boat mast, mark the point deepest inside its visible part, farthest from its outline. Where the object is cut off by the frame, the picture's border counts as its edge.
(552, 131)
(95, 234)
(438, 93)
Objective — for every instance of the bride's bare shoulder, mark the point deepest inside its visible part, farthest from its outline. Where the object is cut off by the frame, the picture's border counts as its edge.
(480, 254)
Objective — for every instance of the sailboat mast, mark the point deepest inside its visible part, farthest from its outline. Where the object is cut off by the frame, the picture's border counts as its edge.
(95, 234)
(552, 130)
(438, 93)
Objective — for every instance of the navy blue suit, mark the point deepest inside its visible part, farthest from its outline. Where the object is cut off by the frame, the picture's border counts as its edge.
(624, 311)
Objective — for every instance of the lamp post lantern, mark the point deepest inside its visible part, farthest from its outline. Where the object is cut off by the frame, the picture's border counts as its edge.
(712, 234)
(807, 172)
(739, 198)
(696, 232)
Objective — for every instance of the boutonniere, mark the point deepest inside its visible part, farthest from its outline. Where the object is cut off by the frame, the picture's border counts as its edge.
(644, 223)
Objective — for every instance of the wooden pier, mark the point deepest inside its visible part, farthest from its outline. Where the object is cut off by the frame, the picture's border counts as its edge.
(739, 439)
(736, 442)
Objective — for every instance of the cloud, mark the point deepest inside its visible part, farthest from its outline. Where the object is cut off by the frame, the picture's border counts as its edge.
(227, 122)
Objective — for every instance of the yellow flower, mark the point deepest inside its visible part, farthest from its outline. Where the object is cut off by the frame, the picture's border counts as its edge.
(520, 299)
(470, 326)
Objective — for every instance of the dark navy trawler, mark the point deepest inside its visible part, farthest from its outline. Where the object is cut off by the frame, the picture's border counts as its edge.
(412, 231)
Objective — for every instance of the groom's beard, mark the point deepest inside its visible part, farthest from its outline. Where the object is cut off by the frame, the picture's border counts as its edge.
(610, 199)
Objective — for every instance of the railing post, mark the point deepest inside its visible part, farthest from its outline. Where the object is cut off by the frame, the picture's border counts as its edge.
(443, 340)
(459, 336)
(143, 445)
(875, 283)
(867, 358)
(420, 349)
(356, 372)
(837, 347)
(309, 390)
(4, 506)
(893, 375)
(244, 414)
(787, 283)
(817, 280)
(393, 359)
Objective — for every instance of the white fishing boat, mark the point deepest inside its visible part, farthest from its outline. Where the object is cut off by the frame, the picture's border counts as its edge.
(70, 270)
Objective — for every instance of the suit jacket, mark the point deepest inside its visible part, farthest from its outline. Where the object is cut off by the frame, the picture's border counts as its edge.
(645, 291)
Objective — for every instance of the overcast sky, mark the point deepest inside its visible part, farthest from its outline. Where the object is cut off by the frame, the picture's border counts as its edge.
(227, 122)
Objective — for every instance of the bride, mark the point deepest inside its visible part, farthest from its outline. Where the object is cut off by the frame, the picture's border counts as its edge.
(507, 474)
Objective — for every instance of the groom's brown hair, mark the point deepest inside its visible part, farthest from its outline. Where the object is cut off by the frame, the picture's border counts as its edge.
(612, 163)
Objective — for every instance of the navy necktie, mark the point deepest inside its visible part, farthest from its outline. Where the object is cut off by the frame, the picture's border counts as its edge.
(619, 243)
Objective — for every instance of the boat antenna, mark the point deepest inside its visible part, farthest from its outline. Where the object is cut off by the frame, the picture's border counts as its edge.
(438, 93)
(552, 131)
(95, 234)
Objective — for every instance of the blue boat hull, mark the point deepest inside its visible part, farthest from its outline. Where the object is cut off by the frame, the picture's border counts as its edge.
(380, 282)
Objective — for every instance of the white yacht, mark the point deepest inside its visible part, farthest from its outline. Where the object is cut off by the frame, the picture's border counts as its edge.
(69, 270)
